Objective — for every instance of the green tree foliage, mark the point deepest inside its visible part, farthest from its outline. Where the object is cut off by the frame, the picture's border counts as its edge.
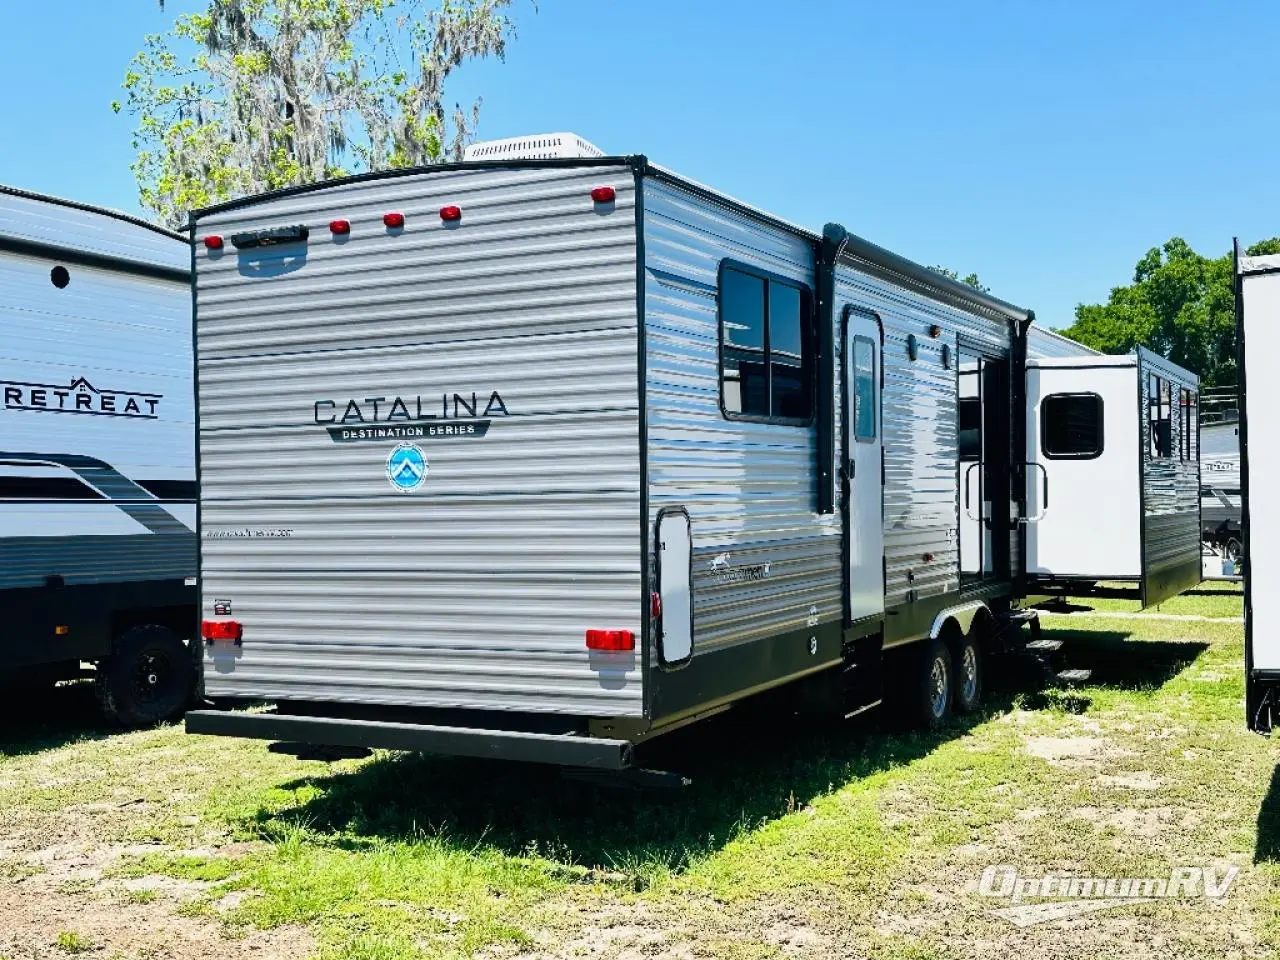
(972, 279)
(1180, 305)
(254, 95)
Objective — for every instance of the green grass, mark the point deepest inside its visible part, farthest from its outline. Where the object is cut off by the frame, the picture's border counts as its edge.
(1213, 598)
(71, 942)
(859, 838)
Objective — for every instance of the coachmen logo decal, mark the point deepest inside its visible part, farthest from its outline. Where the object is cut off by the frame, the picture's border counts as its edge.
(407, 467)
(80, 397)
(456, 415)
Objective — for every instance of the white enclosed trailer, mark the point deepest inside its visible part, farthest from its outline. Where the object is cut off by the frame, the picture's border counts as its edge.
(540, 458)
(97, 475)
(1258, 340)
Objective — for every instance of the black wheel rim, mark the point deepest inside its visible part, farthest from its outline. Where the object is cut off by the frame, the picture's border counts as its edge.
(152, 676)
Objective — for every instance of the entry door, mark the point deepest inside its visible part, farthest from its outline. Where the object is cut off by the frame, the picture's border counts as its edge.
(861, 472)
(982, 429)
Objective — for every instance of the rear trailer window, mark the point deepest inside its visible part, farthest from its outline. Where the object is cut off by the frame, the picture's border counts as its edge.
(1071, 426)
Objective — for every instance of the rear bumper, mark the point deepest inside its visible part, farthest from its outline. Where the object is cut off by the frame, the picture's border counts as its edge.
(567, 750)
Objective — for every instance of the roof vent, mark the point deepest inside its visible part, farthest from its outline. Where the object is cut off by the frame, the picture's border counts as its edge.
(543, 146)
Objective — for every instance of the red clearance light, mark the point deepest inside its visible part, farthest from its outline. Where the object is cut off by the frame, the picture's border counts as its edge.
(393, 221)
(603, 194)
(655, 604)
(213, 242)
(450, 214)
(221, 630)
(339, 228)
(611, 640)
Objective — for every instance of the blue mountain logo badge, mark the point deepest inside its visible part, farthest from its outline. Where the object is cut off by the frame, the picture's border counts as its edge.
(407, 467)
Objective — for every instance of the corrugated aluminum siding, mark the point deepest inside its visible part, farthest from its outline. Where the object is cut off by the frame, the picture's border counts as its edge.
(476, 591)
(918, 409)
(750, 488)
(1045, 344)
(1170, 485)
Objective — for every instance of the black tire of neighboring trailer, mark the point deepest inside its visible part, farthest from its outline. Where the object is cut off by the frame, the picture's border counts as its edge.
(926, 706)
(148, 679)
(1233, 550)
(966, 681)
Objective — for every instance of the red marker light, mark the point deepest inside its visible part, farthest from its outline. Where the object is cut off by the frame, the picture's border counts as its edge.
(340, 228)
(221, 630)
(213, 242)
(612, 640)
(450, 214)
(393, 221)
(604, 194)
(655, 604)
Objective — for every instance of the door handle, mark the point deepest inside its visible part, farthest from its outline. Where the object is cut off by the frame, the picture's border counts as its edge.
(1044, 493)
(967, 512)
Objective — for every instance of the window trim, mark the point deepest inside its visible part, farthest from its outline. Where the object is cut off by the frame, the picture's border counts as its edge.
(807, 341)
(1155, 401)
(1102, 417)
(875, 386)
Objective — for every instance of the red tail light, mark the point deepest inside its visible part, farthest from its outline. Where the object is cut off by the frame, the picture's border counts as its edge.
(221, 630)
(603, 194)
(213, 242)
(611, 640)
(450, 214)
(393, 221)
(340, 228)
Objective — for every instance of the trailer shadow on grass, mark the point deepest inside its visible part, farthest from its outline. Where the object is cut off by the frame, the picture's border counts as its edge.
(46, 716)
(747, 768)
(1267, 848)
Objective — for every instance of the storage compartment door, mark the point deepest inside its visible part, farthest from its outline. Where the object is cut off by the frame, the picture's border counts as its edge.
(675, 586)
(1083, 509)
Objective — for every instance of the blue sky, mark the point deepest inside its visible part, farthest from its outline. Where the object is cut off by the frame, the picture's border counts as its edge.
(1045, 145)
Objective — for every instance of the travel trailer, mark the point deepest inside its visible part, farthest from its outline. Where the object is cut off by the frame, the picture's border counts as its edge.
(539, 458)
(1257, 287)
(97, 474)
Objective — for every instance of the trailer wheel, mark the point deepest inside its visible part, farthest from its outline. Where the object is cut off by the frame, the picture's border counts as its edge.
(968, 674)
(929, 691)
(148, 679)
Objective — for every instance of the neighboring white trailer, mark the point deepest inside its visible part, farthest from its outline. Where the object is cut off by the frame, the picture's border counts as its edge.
(97, 477)
(1258, 342)
(538, 459)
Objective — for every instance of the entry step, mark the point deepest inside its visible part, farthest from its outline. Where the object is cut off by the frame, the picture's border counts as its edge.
(1074, 676)
(1044, 645)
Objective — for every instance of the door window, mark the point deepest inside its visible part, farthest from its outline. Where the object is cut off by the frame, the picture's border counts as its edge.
(864, 386)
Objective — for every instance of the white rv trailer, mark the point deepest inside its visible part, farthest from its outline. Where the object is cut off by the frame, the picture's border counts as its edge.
(97, 474)
(539, 458)
(1257, 289)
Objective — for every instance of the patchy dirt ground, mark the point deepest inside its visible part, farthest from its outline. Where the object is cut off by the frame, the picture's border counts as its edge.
(857, 843)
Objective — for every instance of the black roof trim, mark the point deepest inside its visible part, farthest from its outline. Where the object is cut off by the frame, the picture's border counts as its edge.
(90, 208)
(854, 248)
(637, 163)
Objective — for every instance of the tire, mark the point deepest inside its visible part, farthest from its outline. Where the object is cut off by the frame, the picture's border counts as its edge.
(929, 689)
(966, 681)
(1233, 550)
(148, 679)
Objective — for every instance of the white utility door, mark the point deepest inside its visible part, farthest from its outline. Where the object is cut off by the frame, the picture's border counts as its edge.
(1083, 476)
(863, 486)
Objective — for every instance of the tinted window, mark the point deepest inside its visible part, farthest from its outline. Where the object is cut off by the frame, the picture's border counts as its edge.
(742, 310)
(970, 432)
(864, 385)
(1071, 426)
(1190, 426)
(765, 359)
(1160, 414)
